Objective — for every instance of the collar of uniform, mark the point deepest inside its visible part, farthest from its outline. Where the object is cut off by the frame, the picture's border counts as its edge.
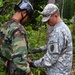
(58, 24)
(12, 19)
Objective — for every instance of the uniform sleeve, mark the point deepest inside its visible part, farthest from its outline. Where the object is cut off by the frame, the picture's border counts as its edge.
(43, 48)
(19, 47)
(54, 48)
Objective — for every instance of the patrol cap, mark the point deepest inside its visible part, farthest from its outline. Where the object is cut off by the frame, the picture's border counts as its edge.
(25, 5)
(48, 11)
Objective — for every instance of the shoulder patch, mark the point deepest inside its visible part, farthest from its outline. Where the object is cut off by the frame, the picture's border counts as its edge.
(52, 48)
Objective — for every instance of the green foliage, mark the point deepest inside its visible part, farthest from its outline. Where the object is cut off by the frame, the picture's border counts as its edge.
(36, 38)
(2, 69)
(5, 17)
(69, 8)
(72, 27)
(68, 21)
(1, 3)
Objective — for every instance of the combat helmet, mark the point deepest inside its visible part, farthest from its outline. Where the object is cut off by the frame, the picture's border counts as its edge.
(25, 5)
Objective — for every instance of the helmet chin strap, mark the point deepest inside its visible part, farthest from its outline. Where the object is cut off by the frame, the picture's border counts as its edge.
(22, 17)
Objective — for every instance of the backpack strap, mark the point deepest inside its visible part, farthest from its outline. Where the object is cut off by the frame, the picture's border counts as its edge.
(25, 36)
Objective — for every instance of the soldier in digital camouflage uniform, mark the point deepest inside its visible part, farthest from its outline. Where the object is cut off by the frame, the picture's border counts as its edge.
(13, 39)
(58, 57)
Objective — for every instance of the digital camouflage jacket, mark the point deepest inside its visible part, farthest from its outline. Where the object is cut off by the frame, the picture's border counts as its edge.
(58, 57)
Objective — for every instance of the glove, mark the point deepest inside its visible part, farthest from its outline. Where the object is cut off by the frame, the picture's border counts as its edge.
(31, 64)
(35, 50)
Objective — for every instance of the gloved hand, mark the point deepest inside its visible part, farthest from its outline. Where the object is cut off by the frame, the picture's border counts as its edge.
(35, 50)
(31, 64)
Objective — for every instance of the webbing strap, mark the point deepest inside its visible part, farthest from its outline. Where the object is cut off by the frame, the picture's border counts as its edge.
(18, 29)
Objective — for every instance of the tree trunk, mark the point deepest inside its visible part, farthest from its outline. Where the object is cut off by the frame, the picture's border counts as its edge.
(51, 1)
(62, 9)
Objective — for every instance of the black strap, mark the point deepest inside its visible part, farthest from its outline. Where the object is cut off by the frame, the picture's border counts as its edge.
(21, 34)
(18, 56)
(22, 17)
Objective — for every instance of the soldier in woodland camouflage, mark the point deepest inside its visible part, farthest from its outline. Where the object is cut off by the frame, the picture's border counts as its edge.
(58, 57)
(13, 39)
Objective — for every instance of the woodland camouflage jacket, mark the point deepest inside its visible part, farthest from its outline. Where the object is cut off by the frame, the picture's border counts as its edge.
(13, 44)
